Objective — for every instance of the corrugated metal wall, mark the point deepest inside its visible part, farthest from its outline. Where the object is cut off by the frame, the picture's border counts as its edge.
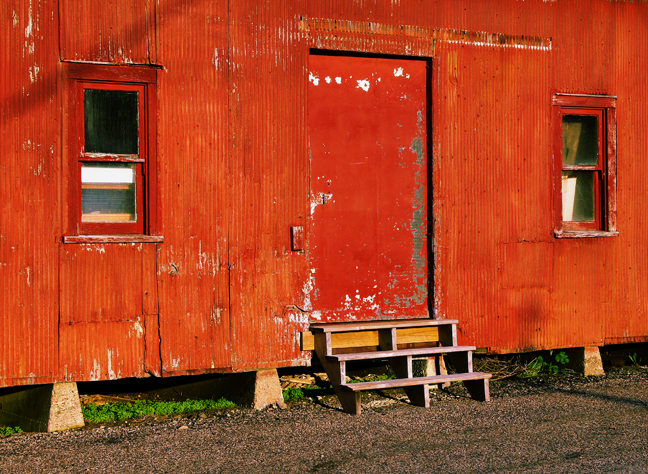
(30, 139)
(194, 194)
(626, 318)
(268, 181)
(224, 291)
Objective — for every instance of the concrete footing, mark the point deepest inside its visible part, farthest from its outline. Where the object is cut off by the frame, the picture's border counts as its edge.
(267, 390)
(585, 360)
(47, 408)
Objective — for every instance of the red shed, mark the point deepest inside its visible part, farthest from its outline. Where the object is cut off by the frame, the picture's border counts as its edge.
(188, 185)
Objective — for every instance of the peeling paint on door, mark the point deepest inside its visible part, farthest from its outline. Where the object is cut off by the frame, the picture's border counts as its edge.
(368, 139)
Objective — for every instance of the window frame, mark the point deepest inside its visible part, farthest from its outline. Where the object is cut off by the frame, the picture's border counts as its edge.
(604, 108)
(128, 78)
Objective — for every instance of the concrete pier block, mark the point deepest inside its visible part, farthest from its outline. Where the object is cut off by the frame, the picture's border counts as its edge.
(65, 408)
(585, 360)
(46, 408)
(267, 389)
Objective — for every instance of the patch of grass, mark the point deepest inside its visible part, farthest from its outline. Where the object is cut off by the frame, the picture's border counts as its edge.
(124, 411)
(298, 393)
(375, 378)
(8, 430)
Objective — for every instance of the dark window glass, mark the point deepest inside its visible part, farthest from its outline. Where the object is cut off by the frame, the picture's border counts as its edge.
(111, 119)
(580, 140)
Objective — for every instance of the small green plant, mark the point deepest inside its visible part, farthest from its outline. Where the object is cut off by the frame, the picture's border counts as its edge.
(540, 366)
(561, 358)
(8, 430)
(124, 411)
(298, 393)
(635, 359)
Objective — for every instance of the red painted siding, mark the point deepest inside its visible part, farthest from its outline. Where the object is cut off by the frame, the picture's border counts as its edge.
(224, 290)
(268, 181)
(193, 190)
(29, 182)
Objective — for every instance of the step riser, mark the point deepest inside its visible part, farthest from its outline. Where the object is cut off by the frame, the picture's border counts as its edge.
(427, 351)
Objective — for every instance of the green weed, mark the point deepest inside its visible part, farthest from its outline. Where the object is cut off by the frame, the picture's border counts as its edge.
(635, 359)
(539, 366)
(124, 411)
(298, 393)
(8, 430)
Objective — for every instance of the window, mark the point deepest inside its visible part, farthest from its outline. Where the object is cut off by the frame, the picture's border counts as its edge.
(584, 166)
(112, 179)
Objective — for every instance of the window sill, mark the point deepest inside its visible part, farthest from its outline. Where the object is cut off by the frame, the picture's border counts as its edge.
(584, 234)
(110, 239)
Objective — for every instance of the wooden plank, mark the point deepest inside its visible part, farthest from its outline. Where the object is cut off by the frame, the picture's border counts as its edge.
(417, 335)
(341, 340)
(398, 383)
(402, 352)
(372, 325)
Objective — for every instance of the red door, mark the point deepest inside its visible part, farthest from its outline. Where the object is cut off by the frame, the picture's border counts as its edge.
(368, 239)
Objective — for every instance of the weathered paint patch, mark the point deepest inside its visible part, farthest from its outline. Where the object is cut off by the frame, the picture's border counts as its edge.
(215, 58)
(364, 156)
(363, 84)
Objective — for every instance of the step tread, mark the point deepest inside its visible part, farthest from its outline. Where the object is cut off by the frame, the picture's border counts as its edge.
(419, 351)
(373, 325)
(414, 381)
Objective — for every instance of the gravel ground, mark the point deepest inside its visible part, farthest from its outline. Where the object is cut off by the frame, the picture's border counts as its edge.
(553, 424)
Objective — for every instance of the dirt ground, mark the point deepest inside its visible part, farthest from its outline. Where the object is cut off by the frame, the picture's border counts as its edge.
(539, 425)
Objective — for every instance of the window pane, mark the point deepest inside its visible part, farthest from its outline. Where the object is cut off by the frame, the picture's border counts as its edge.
(108, 192)
(111, 119)
(578, 196)
(580, 140)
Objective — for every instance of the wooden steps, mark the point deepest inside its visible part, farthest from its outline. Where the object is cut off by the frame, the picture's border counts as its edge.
(441, 343)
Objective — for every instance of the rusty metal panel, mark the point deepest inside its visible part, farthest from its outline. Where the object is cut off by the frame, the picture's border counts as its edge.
(119, 31)
(102, 325)
(531, 18)
(101, 283)
(584, 61)
(368, 200)
(193, 189)
(268, 182)
(226, 291)
(29, 153)
(102, 351)
(626, 319)
(492, 188)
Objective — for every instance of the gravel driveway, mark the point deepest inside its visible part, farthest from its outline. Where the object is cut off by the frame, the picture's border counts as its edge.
(558, 424)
